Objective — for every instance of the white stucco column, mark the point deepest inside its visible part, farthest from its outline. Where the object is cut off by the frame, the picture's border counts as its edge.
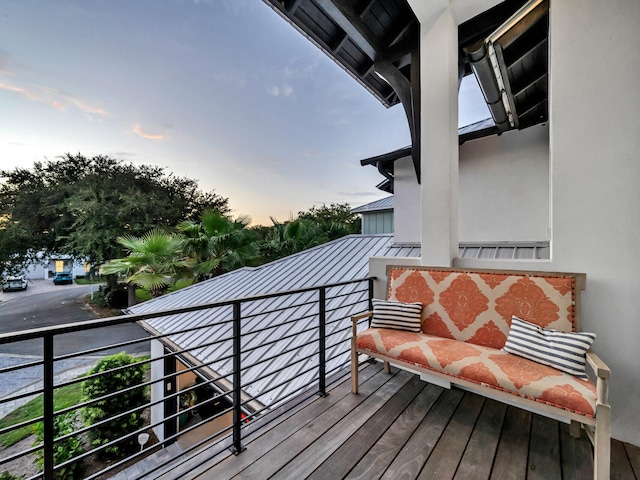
(439, 114)
(439, 20)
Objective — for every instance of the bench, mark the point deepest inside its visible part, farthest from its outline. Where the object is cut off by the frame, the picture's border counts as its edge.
(464, 321)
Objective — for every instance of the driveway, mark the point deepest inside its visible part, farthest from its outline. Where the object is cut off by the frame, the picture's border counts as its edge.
(37, 286)
(45, 304)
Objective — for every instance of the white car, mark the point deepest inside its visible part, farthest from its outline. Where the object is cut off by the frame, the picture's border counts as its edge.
(17, 282)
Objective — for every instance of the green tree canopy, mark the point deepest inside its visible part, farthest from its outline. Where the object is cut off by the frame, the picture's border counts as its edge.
(334, 221)
(79, 205)
(287, 238)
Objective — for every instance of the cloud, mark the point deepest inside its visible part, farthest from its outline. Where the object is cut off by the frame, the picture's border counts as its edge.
(23, 91)
(360, 194)
(285, 90)
(273, 90)
(302, 67)
(54, 98)
(231, 77)
(137, 129)
(275, 161)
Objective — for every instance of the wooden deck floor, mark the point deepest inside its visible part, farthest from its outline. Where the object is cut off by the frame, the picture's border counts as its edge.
(399, 427)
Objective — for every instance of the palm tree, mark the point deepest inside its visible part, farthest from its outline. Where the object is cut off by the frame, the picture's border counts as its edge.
(155, 262)
(291, 237)
(217, 244)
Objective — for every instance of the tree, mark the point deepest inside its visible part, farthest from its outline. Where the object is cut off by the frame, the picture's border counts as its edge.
(312, 227)
(79, 205)
(218, 244)
(291, 237)
(335, 221)
(155, 262)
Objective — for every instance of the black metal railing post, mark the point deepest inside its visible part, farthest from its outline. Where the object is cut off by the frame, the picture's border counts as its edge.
(48, 406)
(370, 297)
(170, 405)
(237, 446)
(322, 353)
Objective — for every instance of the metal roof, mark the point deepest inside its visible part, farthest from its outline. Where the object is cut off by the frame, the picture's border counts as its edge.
(385, 162)
(340, 260)
(377, 206)
(344, 259)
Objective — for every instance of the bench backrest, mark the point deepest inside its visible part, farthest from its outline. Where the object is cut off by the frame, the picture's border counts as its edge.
(476, 306)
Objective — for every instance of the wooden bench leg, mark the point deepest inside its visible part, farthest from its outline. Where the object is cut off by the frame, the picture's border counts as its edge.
(602, 443)
(574, 429)
(387, 367)
(354, 368)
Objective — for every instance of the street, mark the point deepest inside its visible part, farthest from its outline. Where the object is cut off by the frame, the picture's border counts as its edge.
(44, 304)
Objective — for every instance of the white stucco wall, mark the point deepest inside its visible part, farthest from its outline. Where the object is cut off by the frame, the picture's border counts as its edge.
(595, 148)
(157, 388)
(504, 187)
(406, 202)
(594, 144)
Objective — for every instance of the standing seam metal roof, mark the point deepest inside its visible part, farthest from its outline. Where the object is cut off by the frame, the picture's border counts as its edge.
(265, 321)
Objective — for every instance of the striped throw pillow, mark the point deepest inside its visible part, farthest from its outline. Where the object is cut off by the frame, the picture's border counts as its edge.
(397, 315)
(560, 350)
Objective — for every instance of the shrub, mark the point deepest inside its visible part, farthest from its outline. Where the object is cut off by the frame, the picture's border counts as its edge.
(64, 450)
(117, 297)
(6, 475)
(98, 300)
(111, 382)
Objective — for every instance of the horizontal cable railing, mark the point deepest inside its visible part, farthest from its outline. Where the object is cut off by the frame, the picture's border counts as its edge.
(214, 372)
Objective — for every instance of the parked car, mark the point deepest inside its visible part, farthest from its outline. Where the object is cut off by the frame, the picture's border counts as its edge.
(62, 278)
(15, 282)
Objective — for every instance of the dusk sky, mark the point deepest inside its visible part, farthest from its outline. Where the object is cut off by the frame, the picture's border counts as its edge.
(222, 91)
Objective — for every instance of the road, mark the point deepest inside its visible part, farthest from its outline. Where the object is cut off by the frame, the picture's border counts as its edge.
(44, 305)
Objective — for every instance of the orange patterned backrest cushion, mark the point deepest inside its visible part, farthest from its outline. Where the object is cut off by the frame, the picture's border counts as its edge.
(477, 307)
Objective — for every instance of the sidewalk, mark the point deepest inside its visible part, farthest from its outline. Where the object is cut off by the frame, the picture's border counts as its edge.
(63, 376)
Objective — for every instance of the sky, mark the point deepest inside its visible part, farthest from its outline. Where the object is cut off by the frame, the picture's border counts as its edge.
(221, 91)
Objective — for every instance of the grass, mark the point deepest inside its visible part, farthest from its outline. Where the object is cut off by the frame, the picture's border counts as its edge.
(86, 281)
(64, 397)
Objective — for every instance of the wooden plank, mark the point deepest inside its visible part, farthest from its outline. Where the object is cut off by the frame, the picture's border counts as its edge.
(357, 408)
(576, 454)
(444, 460)
(620, 464)
(410, 460)
(356, 446)
(373, 465)
(229, 464)
(478, 457)
(511, 458)
(339, 432)
(633, 453)
(544, 450)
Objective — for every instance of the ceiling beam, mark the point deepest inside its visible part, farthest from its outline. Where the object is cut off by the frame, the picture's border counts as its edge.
(408, 93)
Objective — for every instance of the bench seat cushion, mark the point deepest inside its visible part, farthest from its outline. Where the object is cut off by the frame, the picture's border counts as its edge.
(484, 365)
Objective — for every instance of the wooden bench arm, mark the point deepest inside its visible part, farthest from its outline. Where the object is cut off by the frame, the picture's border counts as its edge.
(599, 367)
(603, 374)
(356, 318)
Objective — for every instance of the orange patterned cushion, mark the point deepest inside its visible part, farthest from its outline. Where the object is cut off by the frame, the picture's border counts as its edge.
(484, 365)
(477, 307)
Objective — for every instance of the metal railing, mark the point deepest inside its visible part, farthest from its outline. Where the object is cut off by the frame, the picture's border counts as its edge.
(249, 356)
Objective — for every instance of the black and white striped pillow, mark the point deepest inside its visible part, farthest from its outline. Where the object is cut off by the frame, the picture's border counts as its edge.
(397, 315)
(560, 350)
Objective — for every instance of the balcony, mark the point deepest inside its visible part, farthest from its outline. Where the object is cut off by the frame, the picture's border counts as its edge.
(272, 376)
